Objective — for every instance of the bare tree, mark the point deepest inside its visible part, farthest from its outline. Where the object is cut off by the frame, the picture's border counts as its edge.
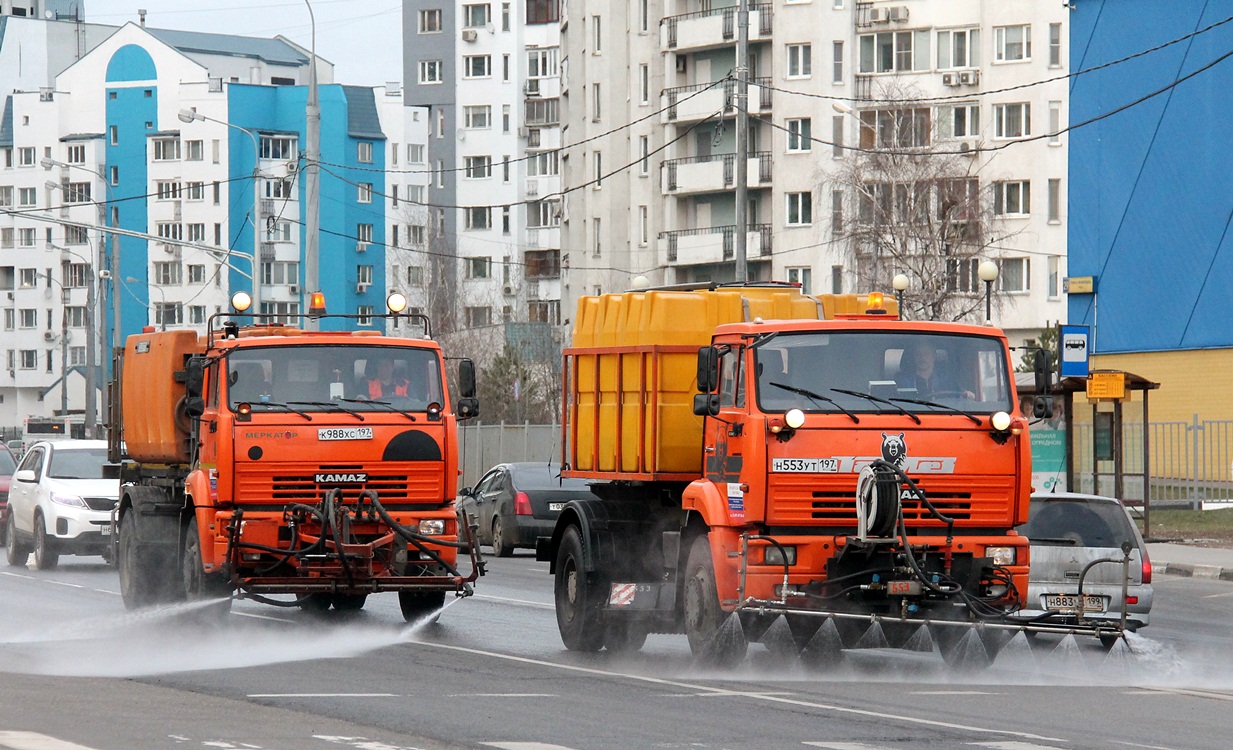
(914, 204)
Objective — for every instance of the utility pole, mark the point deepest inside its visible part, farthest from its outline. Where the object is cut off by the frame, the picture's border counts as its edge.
(312, 177)
(740, 101)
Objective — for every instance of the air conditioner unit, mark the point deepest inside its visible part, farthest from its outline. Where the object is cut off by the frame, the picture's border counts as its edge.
(522, 132)
(969, 77)
(879, 15)
(10, 295)
(294, 288)
(361, 246)
(968, 148)
(898, 13)
(950, 79)
(469, 35)
(531, 87)
(361, 288)
(507, 290)
(49, 336)
(532, 188)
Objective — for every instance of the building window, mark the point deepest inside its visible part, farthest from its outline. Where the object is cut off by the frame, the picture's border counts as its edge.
(415, 153)
(363, 152)
(1012, 120)
(194, 151)
(837, 62)
(478, 317)
(196, 232)
(599, 169)
(1055, 201)
(894, 52)
(545, 213)
(76, 154)
(543, 163)
(1012, 43)
(895, 128)
(166, 149)
(800, 208)
(1012, 198)
(77, 192)
(800, 60)
(598, 35)
(596, 100)
(430, 21)
(1054, 273)
(364, 192)
(196, 273)
(168, 313)
(962, 276)
(542, 62)
(27, 196)
(168, 273)
(363, 236)
(1014, 275)
(543, 11)
(27, 238)
(26, 156)
(478, 217)
(836, 212)
(29, 318)
(478, 267)
(542, 112)
(644, 83)
(477, 66)
(277, 147)
(1055, 123)
(1055, 45)
(113, 133)
(28, 358)
(476, 16)
(958, 48)
(644, 152)
(430, 71)
(802, 275)
(478, 167)
(597, 237)
(167, 191)
(477, 117)
(960, 121)
(799, 135)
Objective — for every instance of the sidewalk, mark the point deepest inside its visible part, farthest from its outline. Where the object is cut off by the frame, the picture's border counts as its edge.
(1184, 560)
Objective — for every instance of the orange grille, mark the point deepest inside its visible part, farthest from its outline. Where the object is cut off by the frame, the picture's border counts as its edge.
(971, 500)
(419, 482)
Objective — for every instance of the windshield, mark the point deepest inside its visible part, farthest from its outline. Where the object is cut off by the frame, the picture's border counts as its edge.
(1087, 523)
(85, 463)
(7, 464)
(323, 378)
(811, 371)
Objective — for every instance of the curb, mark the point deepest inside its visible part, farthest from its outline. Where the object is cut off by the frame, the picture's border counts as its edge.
(1194, 571)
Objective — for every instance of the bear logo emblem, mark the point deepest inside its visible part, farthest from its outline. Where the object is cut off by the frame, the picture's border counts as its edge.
(894, 449)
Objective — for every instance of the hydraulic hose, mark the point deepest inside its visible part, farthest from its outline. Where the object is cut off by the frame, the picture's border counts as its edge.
(418, 540)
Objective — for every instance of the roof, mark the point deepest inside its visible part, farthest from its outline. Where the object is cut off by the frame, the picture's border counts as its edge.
(269, 50)
(362, 119)
(81, 137)
(1025, 383)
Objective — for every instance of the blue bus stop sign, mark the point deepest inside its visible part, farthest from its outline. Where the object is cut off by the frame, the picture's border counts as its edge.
(1073, 358)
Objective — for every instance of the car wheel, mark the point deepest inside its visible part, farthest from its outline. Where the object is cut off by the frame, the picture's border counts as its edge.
(501, 546)
(579, 598)
(45, 555)
(417, 604)
(200, 586)
(14, 550)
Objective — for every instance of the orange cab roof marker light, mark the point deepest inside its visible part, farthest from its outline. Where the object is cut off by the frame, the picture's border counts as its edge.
(316, 304)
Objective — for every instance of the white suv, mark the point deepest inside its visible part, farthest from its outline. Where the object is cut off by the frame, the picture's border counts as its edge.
(60, 503)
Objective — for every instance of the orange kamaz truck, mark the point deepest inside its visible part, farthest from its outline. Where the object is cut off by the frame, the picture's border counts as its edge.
(758, 454)
(263, 459)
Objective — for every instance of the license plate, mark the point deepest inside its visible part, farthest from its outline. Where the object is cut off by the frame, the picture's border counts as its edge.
(805, 465)
(105, 529)
(344, 433)
(556, 506)
(1071, 602)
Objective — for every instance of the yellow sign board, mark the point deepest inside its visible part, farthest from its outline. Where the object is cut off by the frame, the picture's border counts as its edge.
(1079, 284)
(1106, 385)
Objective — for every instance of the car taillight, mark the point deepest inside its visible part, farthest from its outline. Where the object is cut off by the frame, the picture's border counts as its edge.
(522, 504)
(1147, 567)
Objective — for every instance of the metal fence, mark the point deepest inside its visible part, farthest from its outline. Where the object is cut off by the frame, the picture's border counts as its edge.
(1190, 462)
(485, 445)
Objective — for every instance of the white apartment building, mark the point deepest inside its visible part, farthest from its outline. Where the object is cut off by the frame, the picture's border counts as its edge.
(822, 71)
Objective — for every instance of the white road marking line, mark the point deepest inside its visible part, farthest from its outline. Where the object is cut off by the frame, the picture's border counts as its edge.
(524, 602)
(525, 746)
(1135, 744)
(1217, 596)
(727, 694)
(360, 743)
(261, 617)
(504, 695)
(36, 741)
(953, 692)
(1015, 745)
(704, 688)
(1213, 694)
(62, 583)
(841, 745)
(323, 695)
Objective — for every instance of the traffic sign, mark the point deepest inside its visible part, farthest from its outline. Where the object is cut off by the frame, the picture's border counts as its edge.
(1073, 358)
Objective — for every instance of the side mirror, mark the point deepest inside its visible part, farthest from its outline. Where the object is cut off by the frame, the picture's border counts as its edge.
(1042, 364)
(468, 408)
(25, 475)
(194, 406)
(194, 377)
(708, 369)
(466, 380)
(706, 404)
(1043, 407)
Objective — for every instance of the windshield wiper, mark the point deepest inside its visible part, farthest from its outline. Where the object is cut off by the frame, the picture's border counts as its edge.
(281, 406)
(388, 406)
(877, 400)
(936, 405)
(816, 397)
(330, 405)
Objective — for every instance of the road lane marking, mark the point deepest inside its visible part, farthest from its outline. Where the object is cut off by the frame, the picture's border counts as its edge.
(360, 743)
(841, 745)
(1014, 746)
(1218, 596)
(1213, 694)
(1135, 744)
(524, 602)
(323, 695)
(504, 695)
(728, 694)
(36, 741)
(953, 692)
(705, 688)
(525, 746)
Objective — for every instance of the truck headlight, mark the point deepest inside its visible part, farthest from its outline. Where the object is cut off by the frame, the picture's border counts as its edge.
(774, 556)
(432, 527)
(1001, 555)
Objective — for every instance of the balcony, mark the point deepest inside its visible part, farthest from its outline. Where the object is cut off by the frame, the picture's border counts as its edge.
(702, 100)
(713, 245)
(705, 174)
(712, 28)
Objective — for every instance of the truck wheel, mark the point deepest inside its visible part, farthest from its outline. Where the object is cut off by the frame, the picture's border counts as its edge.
(625, 638)
(45, 555)
(315, 603)
(146, 566)
(200, 586)
(349, 602)
(703, 615)
(500, 545)
(416, 605)
(579, 600)
(14, 550)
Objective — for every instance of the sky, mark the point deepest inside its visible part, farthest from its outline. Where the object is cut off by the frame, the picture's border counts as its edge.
(363, 38)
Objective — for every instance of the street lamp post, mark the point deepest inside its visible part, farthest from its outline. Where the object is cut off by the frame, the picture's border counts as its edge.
(900, 282)
(188, 116)
(988, 272)
(64, 363)
(312, 177)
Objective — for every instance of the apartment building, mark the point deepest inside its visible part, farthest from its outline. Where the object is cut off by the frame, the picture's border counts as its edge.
(832, 82)
(489, 75)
